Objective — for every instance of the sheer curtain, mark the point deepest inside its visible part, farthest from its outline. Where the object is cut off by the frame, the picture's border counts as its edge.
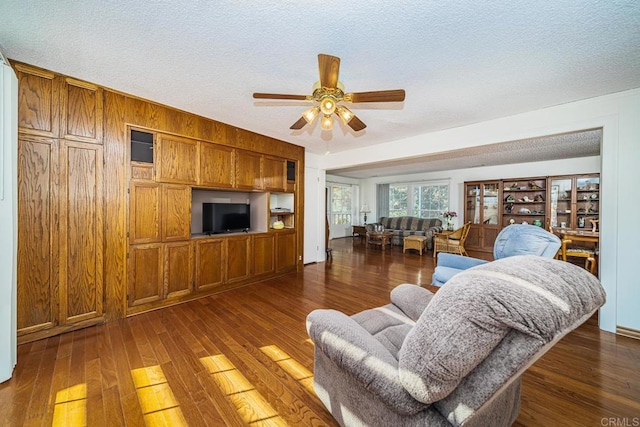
(382, 203)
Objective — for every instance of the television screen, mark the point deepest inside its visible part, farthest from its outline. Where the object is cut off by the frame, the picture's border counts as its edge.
(225, 217)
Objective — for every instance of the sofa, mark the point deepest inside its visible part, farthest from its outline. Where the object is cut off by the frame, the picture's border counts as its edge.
(453, 358)
(516, 239)
(403, 226)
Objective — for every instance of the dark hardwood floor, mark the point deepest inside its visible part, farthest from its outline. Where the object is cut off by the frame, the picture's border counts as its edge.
(243, 357)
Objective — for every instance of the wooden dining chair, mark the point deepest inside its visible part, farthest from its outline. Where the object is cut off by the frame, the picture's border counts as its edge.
(570, 250)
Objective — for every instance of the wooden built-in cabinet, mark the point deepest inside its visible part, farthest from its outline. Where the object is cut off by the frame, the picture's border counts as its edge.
(264, 246)
(274, 173)
(248, 170)
(285, 250)
(482, 204)
(569, 202)
(217, 166)
(209, 265)
(100, 171)
(176, 159)
(573, 201)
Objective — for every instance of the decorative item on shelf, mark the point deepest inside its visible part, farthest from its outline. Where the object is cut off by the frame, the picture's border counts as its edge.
(509, 208)
(537, 223)
(512, 221)
(580, 222)
(513, 186)
(449, 215)
(278, 225)
(563, 224)
(594, 196)
(538, 198)
(510, 198)
(525, 222)
(527, 199)
(365, 210)
(534, 186)
(524, 211)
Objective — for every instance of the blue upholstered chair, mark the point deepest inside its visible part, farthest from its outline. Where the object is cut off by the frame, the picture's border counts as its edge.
(516, 239)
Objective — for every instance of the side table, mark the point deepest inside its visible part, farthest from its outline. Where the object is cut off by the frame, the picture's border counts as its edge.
(359, 231)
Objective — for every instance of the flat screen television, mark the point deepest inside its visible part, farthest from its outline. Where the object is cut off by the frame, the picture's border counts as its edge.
(225, 217)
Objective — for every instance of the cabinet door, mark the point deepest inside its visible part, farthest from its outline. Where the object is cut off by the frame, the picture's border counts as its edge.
(210, 261)
(81, 117)
(217, 165)
(560, 202)
(81, 232)
(37, 289)
(474, 238)
(176, 212)
(248, 170)
(285, 251)
(38, 101)
(178, 269)
(144, 212)
(238, 258)
(263, 254)
(274, 170)
(176, 160)
(145, 274)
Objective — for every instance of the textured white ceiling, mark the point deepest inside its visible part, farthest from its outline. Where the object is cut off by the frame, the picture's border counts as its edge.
(460, 62)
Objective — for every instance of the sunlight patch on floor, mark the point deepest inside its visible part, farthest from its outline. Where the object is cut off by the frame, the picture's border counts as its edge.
(290, 366)
(249, 403)
(159, 405)
(71, 406)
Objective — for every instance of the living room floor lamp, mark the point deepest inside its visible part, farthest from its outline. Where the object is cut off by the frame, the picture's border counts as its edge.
(365, 210)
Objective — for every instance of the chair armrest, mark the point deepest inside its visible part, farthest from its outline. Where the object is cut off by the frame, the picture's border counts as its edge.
(411, 299)
(354, 350)
(458, 261)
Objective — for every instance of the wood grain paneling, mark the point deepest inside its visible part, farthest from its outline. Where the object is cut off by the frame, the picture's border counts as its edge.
(286, 250)
(37, 289)
(115, 202)
(81, 117)
(142, 171)
(263, 254)
(176, 160)
(238, 258)
(178, 269)
(274, 173)
(248, 170)
(81, 236)
(217, 165)
(209, 266)
(176, 212)
(144, 212)
(38, 101)
(145, 267)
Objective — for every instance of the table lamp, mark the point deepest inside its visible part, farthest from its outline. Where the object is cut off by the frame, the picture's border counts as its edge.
(365, 210)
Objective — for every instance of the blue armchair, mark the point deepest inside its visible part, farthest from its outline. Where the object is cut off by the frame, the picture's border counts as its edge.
(516, 239)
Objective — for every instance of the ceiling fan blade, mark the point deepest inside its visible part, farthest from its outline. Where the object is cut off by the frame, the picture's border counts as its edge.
(329, 67)
(279, 96)
(356, 124)
(395, 95)
(299, 124)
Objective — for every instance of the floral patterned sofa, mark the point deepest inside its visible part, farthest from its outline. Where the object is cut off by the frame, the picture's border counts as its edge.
(403, 226)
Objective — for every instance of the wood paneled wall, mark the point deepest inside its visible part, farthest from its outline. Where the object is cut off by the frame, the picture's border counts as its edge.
(72, 167)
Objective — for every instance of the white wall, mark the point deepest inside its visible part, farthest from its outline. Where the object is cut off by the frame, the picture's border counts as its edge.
(619, 117)
(8, 219)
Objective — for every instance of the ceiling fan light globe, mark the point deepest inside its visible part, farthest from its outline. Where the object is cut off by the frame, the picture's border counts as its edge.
(311, 114)
(345, 114)
(327, 105)
(326, 123)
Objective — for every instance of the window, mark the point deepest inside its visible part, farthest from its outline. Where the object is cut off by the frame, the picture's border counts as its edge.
(423, 200)
(340, 206)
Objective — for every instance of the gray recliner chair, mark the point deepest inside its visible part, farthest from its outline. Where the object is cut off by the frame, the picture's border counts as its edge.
(453, 358)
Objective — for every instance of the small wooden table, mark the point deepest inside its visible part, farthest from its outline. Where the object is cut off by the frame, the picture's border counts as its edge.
(379, 239)
(360, 231)
(415, 242)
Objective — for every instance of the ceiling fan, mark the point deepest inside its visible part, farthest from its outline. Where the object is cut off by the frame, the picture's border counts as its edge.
(328, 93)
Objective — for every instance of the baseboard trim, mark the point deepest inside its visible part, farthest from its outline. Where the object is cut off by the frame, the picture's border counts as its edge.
(628, 332)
